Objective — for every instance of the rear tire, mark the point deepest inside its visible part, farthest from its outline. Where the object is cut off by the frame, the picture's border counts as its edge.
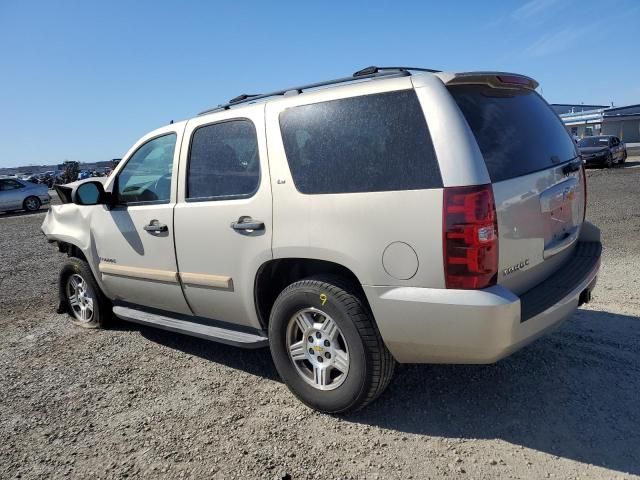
(81, 296)
(322, 323)
(32, 204)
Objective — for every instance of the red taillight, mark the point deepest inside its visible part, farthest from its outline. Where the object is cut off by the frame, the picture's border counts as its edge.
(470, 237)
(584, 189)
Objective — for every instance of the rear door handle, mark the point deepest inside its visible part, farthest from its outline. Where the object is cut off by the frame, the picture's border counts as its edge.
(156, 226)
(247, 224)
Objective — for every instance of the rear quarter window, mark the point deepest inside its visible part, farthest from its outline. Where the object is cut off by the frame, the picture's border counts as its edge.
(516, 130)
(368, 143)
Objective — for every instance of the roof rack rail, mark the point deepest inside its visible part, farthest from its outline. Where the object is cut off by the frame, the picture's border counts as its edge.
(374, 69)
(242, 97)
(369, 72)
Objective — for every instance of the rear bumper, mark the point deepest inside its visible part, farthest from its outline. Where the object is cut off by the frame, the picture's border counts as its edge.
(425, 325)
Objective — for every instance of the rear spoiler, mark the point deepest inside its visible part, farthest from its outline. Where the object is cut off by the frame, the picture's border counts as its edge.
(493, 79)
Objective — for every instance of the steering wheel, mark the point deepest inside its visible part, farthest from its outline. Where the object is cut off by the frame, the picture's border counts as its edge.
(162, 187)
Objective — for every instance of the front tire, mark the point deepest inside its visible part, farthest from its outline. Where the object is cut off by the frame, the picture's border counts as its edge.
(81, 296)
(326, 346)
(609, 161)
(32, 204)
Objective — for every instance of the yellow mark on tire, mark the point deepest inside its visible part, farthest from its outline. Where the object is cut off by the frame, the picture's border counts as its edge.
(323, 298)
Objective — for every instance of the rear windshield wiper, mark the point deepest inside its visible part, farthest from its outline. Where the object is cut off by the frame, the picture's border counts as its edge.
(572, 166)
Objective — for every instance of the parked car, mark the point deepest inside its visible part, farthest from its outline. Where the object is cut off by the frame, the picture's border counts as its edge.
(602, 151)
(84, 174)
(393, 216)
(17, 194)
(32, 178)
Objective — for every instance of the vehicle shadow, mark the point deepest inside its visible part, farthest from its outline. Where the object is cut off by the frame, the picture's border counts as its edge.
(23, 213)
(573, 394)
(256, 362)
(629, 164)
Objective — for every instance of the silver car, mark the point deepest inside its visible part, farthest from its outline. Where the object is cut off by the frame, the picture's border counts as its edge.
(397, 215)
(16, 194)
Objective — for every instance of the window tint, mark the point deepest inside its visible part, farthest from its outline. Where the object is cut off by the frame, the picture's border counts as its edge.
(224, 161)
(147, 175)
(10, 185)
(362, 144)
(516, 130)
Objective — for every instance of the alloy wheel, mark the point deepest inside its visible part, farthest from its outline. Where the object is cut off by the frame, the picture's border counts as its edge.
(317, 349)
(80, 298)
(31, 203)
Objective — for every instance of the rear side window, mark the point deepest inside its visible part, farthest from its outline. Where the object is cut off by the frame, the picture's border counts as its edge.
(223, 161)
(10, 185)
(370, 143)
(516, 130)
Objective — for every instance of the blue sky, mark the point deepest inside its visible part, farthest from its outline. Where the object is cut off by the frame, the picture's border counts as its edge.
(83, 80)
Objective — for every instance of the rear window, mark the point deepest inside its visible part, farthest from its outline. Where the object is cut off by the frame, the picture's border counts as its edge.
(516, 130)
(369, 143)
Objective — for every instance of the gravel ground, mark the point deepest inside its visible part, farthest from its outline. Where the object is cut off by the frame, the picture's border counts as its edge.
(133, 401)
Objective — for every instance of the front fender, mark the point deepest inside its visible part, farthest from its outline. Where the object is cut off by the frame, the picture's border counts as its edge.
(70, 223)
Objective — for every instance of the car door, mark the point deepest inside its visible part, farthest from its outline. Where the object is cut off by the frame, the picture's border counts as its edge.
(4, 195)
(11, 194)
(223, 216)
(134, 238)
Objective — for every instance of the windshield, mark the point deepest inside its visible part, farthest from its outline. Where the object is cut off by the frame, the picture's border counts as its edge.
(594, 142)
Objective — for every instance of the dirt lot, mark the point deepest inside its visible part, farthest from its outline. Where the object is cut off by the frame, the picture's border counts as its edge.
(134, 401)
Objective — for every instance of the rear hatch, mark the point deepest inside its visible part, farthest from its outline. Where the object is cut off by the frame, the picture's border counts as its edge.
(536, 174)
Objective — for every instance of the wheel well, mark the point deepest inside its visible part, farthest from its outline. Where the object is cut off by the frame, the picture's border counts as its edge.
(71, 250)
(275, 275)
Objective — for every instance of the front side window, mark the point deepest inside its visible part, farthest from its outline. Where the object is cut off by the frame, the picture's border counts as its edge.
(370, 143)
(223, 161)
(147, 175)
(10, 185)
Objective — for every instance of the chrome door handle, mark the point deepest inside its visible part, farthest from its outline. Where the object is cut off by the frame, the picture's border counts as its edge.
(156, 226)
(247, 224)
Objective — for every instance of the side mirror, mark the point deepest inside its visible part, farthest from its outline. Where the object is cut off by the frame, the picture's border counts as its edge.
(90, 193)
